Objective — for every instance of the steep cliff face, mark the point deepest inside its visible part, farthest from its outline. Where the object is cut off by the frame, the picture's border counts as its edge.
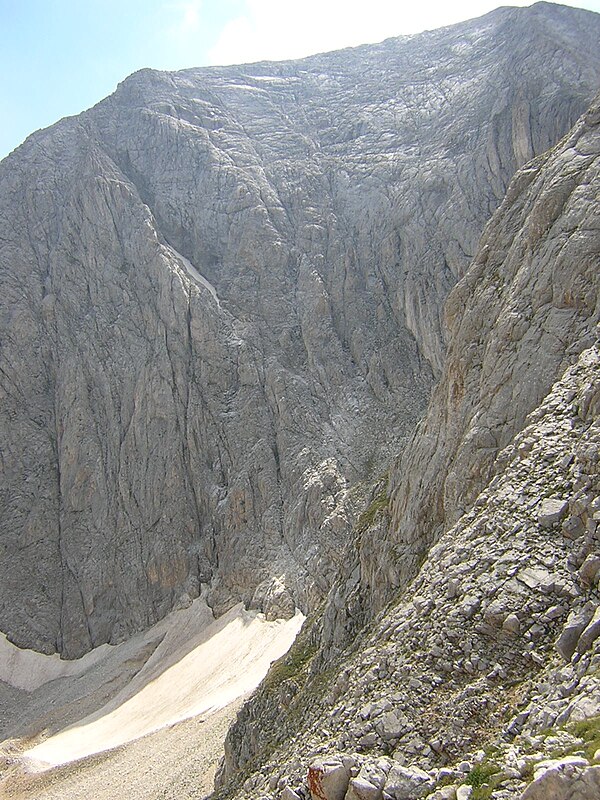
(496, 639)
(221, 292)
(523, 311)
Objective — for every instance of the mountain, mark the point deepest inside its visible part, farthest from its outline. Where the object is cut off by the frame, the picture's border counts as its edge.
(221, 310)
(313, 338)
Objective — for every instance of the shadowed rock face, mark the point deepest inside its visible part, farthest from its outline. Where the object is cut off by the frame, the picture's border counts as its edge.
(220, 304)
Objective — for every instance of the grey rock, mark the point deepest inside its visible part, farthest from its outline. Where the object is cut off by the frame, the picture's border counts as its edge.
(536, 578)
(565, 764)
(566, 643)
(573, 527)
(368, 740)
(565, 781)
(445, 793)
(502, 357)
(551, 512)
(391, 725)
(590, 633)
(273, 599)
(328, 780)
(585, 706)
(362, 789)
(590, 569)
(511, 624)
(406, 783)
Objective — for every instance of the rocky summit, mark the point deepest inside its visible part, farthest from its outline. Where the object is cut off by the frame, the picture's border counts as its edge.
(309, 346)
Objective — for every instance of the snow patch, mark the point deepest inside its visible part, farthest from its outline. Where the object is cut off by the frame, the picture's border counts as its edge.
(201, 666)
(191, 270)
(27, 669)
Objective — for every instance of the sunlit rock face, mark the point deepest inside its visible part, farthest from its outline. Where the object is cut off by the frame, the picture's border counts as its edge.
(220, 309)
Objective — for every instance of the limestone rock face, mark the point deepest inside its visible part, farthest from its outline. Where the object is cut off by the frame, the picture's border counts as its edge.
(428, 682)
(527, 305)
(220, 307)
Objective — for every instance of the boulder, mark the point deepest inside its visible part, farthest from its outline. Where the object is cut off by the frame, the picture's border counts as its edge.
(551, 512)
(289, 794)
(408, 783)
(576, 623)
(362, 789)
(511, 624)
(565, 780)
(590, 633)
(328, 779)
(589, 570)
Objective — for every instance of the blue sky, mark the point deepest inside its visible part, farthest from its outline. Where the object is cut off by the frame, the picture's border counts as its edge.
(58, 57)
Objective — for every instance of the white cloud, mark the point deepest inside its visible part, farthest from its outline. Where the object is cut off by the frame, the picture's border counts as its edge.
(186, 20)
(280, 29)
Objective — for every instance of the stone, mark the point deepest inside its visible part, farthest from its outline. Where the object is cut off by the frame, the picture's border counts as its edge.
(565, 781)
(452, 589)
(551, 512)
(464, 792)
(576, 623)
(328, 780)
(589, 570)
(584, 706)
(562, 764)
(408, 783)
(590, 633)
(445, 793)
(573, 527)
(273, 599)
(391, 725)
(511, 624)
(368, 740)
(362, 789)
(537, 578)
(495, 613)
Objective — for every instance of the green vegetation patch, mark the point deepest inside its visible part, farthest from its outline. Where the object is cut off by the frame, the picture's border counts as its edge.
(378, 506)
(293, 662)
(484, 778)
(589, 731)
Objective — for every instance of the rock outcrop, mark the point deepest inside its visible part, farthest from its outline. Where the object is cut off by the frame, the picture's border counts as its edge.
(221, 295)
(524, 310)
